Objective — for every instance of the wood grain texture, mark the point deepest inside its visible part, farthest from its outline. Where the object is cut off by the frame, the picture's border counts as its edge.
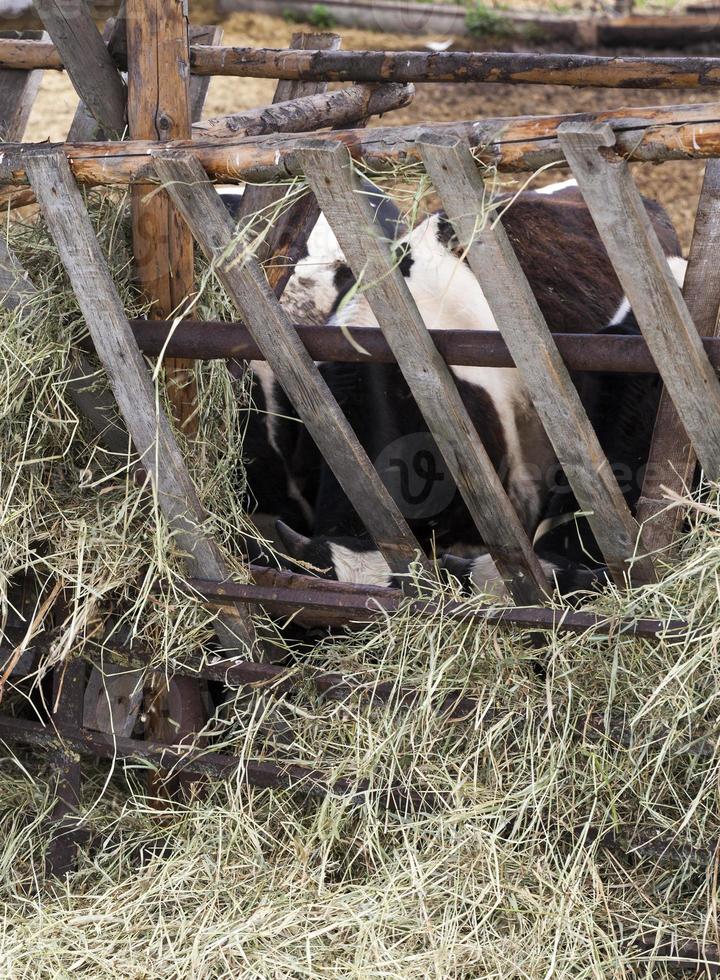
(491, 257)
(149, 429)
(84, 126)
(292, 366)
(331, 176)
(519, 68)
(87, 61)
(654, 134)
(159, 109)
(672, 461)
(341, 107)
(67, 712)
(662, 314)
(18, 90)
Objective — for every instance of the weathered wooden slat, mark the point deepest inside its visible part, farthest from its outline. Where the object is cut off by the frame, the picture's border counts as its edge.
(662, 314)
(159, 108)
(671, 463)
(84, 126)
(206, 35)
(67, 712)
(490, 255)
(285, 241)
(654, 134)
(149, 429)
(87, 61)
(18, 90)
(329, 172)
(245, 282)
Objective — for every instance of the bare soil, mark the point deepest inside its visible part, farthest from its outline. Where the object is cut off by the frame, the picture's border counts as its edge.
(676, 185)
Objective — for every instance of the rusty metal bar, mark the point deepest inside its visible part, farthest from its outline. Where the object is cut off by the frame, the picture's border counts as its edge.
(358, 604)
(266, 775)
(211, 340)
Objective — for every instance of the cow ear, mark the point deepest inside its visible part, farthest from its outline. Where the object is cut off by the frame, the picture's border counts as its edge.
(461, 568)
(294, 543)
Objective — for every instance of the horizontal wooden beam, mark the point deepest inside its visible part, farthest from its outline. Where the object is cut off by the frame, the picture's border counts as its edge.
(415, 66)
(652, 134)
(208, 340)
(342, 107)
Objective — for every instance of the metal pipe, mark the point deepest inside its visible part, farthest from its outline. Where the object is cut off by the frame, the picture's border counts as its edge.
(210, 340)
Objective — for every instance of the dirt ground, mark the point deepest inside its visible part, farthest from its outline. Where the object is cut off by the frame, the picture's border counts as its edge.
(676, 185)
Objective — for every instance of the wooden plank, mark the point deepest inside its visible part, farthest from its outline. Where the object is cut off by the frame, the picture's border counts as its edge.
(149, 429)
(245, 282)
(671, 463)
(205, 34)
(329, 172)
(84, 126)
(654, 135)
(18, 90)
(67, 713)
(87, 61)
(662, 314)
(490, 255)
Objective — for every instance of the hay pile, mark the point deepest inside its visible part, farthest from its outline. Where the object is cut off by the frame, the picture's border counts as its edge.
(552, 850)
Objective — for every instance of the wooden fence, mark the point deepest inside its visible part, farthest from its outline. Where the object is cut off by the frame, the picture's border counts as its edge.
(167, 81)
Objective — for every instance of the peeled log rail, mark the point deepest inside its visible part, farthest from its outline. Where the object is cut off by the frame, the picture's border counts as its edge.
(207, 340)
(296, 64)
(655, 135)
(303, 115)
(457, 66)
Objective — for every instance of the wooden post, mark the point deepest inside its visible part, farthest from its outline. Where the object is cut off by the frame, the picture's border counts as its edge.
(159, 109)
(672, 462)
(490, 254)
(329, 171)
(654, 295)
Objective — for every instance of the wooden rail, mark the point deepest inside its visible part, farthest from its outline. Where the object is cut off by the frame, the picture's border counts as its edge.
(414, 66)
(652, 134)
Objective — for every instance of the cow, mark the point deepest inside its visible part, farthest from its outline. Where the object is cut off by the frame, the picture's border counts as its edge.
(577, 290)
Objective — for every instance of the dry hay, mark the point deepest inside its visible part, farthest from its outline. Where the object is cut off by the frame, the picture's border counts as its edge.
(550, 848)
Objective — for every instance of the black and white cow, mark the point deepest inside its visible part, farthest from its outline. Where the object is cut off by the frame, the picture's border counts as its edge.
(577, 290)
